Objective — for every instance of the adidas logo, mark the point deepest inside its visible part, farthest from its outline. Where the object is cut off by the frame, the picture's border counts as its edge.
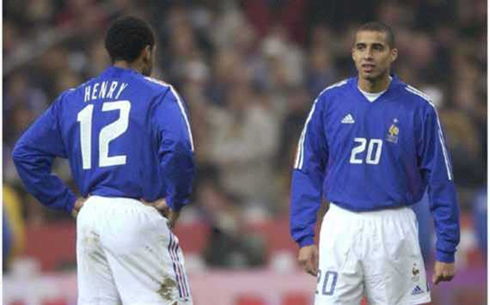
(348, 119)
(417, 290)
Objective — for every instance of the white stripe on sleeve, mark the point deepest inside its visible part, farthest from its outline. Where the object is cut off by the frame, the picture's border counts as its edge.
(184, 114)
(298, 164)
(300, 155)
(441, 136)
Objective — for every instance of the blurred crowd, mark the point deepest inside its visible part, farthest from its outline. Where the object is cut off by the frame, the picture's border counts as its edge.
(249, 72)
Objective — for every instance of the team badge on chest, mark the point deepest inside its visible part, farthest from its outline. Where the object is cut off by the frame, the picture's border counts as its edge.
(393, 132)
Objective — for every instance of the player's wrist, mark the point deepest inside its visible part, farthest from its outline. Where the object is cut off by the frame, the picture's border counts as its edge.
(71, 201)
(305, 241)
(174, 205)
(444, 256)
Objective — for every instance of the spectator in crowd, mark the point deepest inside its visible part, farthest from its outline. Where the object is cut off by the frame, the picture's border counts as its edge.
(230, 245)
(242, 142)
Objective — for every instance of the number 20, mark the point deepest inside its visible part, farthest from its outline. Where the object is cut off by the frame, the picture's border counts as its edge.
(371, 157)
(107, 134)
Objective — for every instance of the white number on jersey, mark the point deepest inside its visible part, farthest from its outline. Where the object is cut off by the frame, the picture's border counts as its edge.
(107, 134)
(373, 152)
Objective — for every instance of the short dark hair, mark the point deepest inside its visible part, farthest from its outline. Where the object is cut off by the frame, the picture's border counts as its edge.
(375, 26)
(126, 37)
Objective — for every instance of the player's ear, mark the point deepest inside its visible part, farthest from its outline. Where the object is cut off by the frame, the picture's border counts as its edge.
(394, 54)
(353, 47)
(147, 53)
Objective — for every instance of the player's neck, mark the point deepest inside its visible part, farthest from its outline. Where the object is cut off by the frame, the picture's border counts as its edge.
(136, 66)
(376, 85)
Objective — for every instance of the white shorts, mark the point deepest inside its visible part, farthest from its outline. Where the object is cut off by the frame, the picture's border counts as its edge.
(127, 255)
(376, 254)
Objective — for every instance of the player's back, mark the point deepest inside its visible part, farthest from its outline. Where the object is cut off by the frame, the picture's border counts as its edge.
(110, 133)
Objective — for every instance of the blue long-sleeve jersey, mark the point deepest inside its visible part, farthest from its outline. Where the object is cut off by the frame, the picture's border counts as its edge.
(124, 135)
(367, 156)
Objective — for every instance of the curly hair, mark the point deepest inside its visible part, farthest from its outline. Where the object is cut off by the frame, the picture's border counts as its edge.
(126, 37)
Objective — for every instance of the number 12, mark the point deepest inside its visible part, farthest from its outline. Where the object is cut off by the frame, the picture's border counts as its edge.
(107, 134)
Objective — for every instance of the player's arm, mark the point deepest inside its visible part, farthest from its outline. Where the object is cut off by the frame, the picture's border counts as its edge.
(176, 150)
(33, 157)
(306, 186)
(436, 167)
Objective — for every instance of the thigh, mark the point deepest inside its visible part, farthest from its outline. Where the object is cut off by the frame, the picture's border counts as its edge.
(147, 262)
(96, 284)
(394, 267)
(339, 279)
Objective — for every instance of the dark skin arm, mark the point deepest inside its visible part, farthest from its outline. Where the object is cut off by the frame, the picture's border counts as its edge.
(162, 207)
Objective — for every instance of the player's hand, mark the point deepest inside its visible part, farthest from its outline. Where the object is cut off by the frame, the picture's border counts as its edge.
(308, 257)
(172, 218)
(443, 272)
(78, 205)
(164, 209)
(160, 205)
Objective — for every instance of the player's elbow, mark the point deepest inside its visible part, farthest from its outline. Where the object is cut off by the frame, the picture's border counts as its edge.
(18, 154)
(177, 148)
(21, 155)
(183, 147)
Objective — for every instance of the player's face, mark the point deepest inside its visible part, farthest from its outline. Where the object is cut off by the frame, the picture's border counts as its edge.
(372, 55)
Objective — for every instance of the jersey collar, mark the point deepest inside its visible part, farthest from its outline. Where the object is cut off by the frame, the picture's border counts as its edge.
(394, 82)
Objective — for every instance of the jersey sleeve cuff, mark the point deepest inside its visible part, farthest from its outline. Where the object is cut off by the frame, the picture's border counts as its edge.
(306, 241)
(65, 203)
(175, 205)
(71, 202)
(445, 257)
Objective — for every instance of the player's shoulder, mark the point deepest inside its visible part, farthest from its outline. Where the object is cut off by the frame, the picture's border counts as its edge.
(416, 97)
(155, 85)
(160, 86)
(335, 89)
(332, 92)
(76, 93)
(70, 94)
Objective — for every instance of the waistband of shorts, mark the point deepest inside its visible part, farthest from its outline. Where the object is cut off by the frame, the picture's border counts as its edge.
(114, 200)
(372, 214)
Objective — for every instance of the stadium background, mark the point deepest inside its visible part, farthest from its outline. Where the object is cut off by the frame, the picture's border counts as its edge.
(249, 71)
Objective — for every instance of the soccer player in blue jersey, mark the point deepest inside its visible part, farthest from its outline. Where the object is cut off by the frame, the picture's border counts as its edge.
(372, 145)
(128, 141)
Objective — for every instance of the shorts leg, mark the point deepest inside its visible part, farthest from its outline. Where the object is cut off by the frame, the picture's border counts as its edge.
(176, 256)
(96, 285)
(146, 260)
(340, 274)
(393, 263)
